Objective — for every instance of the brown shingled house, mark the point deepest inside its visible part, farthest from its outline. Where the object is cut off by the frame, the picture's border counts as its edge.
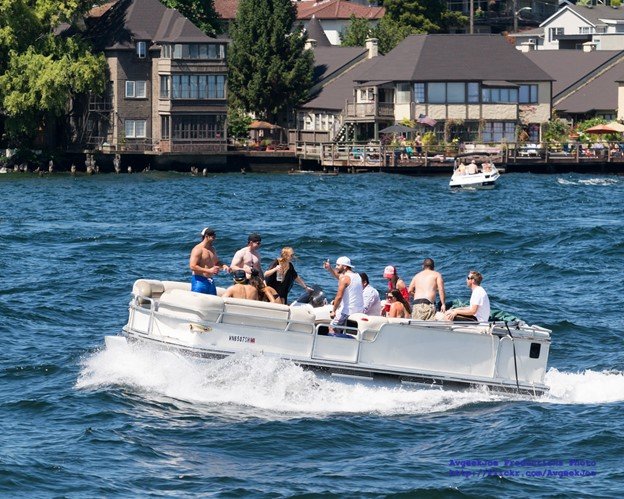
(480, 83)
(167, 88)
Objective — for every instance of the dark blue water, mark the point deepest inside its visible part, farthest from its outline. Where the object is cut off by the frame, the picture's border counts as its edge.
(80, 420)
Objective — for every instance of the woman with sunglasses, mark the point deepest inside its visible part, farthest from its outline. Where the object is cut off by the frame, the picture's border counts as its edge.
(399, 307)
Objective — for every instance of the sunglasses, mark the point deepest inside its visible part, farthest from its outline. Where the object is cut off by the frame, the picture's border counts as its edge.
(389, 297)
(470, 278)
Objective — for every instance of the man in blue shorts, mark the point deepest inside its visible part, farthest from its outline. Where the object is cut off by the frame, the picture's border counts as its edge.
(205, 264)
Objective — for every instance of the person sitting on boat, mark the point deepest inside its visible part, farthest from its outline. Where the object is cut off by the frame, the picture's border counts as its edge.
(394, 282)
(265, 293)
(461, 169)
(372, 301)
(349, 297)
(282, 274)
(248, 258)
(205, 264)
(241, 287)
(479, 309)
(472, 168)
(424, 287)
(398, 306)
(486, 167)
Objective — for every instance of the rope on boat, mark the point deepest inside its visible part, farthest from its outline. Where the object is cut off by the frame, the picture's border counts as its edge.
(514, 352)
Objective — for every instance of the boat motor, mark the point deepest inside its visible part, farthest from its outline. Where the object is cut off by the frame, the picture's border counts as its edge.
(316, 297)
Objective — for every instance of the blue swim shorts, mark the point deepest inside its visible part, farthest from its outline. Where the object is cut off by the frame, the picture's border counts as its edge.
(201, 284)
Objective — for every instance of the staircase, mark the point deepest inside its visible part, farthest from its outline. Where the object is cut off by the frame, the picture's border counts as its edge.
(345, 134)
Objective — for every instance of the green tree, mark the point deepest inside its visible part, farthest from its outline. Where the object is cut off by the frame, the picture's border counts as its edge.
(269, 69)
(238, 122)
(390, 33)
(40, 71)
(356, 33)
(201, 13)
(425, 16)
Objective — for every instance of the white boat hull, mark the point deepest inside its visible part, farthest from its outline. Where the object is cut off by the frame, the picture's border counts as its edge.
(422, 353)
(481, 180)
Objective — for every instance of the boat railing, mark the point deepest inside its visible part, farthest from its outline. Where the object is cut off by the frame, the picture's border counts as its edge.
(219, 316)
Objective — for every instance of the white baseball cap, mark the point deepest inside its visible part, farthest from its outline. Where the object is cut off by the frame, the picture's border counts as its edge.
(344, 260)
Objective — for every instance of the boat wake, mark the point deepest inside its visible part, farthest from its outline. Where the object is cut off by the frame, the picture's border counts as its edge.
(588, 181)
(283, 389)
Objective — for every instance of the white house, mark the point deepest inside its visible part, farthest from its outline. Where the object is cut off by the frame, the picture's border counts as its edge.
(577, 27)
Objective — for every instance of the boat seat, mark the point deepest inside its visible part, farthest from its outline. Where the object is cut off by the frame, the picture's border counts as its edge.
(255, 313)
(303, 319)
(169, 285)
(148, 288)
(191, 305)
(368, 325)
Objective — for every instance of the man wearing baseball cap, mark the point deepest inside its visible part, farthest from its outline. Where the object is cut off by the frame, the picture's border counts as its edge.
(349, 297)
(248, 258)
(205, 264)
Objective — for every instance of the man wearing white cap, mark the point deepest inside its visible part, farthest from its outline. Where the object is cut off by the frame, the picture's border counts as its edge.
(349, 297)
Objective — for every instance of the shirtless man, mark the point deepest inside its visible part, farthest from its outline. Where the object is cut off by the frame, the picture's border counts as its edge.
(248, 258)
(424, 287)
(241, 287)
(205, 264)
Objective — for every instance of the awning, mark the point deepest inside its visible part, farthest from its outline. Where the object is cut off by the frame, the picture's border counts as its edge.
(499, 83)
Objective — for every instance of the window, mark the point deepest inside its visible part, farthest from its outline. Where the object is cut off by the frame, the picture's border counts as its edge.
(196, 51)
(403, 93)
(553, 33)
(436, 93)
(527, 94)
(197, 87)
(136, 89)
(164, 127)
(419, 92)
(198, 127)
(585, 30)
(500, 95)
(455, 92)
(473, 92)
(165, 91)
(497, 131)
(367, 95)
(135, 129)
(141, 49)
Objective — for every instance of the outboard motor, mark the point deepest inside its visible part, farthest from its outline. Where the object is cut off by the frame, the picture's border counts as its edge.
(316, 297)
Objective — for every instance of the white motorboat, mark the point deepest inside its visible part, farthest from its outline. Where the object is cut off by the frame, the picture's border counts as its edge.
(465, 177)
(501, 356)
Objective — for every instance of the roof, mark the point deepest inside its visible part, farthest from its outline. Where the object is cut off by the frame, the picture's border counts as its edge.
(569, 67)
(329, 61)
(599, 94)
(337, 9)
(129, 21)
(328, 9)
(597, 13)
(334, 94)
(315, 32)
(455, 57)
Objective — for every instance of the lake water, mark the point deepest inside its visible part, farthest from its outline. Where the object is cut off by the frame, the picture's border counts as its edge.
(78, 420)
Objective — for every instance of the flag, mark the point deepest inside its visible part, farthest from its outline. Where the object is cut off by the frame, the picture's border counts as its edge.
(425, 120)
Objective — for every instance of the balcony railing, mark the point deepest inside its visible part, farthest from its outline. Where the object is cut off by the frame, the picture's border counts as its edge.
(370, 110)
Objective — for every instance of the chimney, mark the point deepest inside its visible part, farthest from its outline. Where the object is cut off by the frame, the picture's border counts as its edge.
(310, 44)
(589, 47)
(527, 46)
(372, 45)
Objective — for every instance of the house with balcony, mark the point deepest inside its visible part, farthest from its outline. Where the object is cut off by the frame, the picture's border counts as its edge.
(167, 82)
(577, 27)
(475, 87)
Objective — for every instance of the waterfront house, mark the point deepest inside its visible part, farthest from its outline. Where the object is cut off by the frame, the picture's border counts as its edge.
(577, 27)
(321, 118)
(474, 87)
(167, 82)
(586, 83)
(334, 16)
